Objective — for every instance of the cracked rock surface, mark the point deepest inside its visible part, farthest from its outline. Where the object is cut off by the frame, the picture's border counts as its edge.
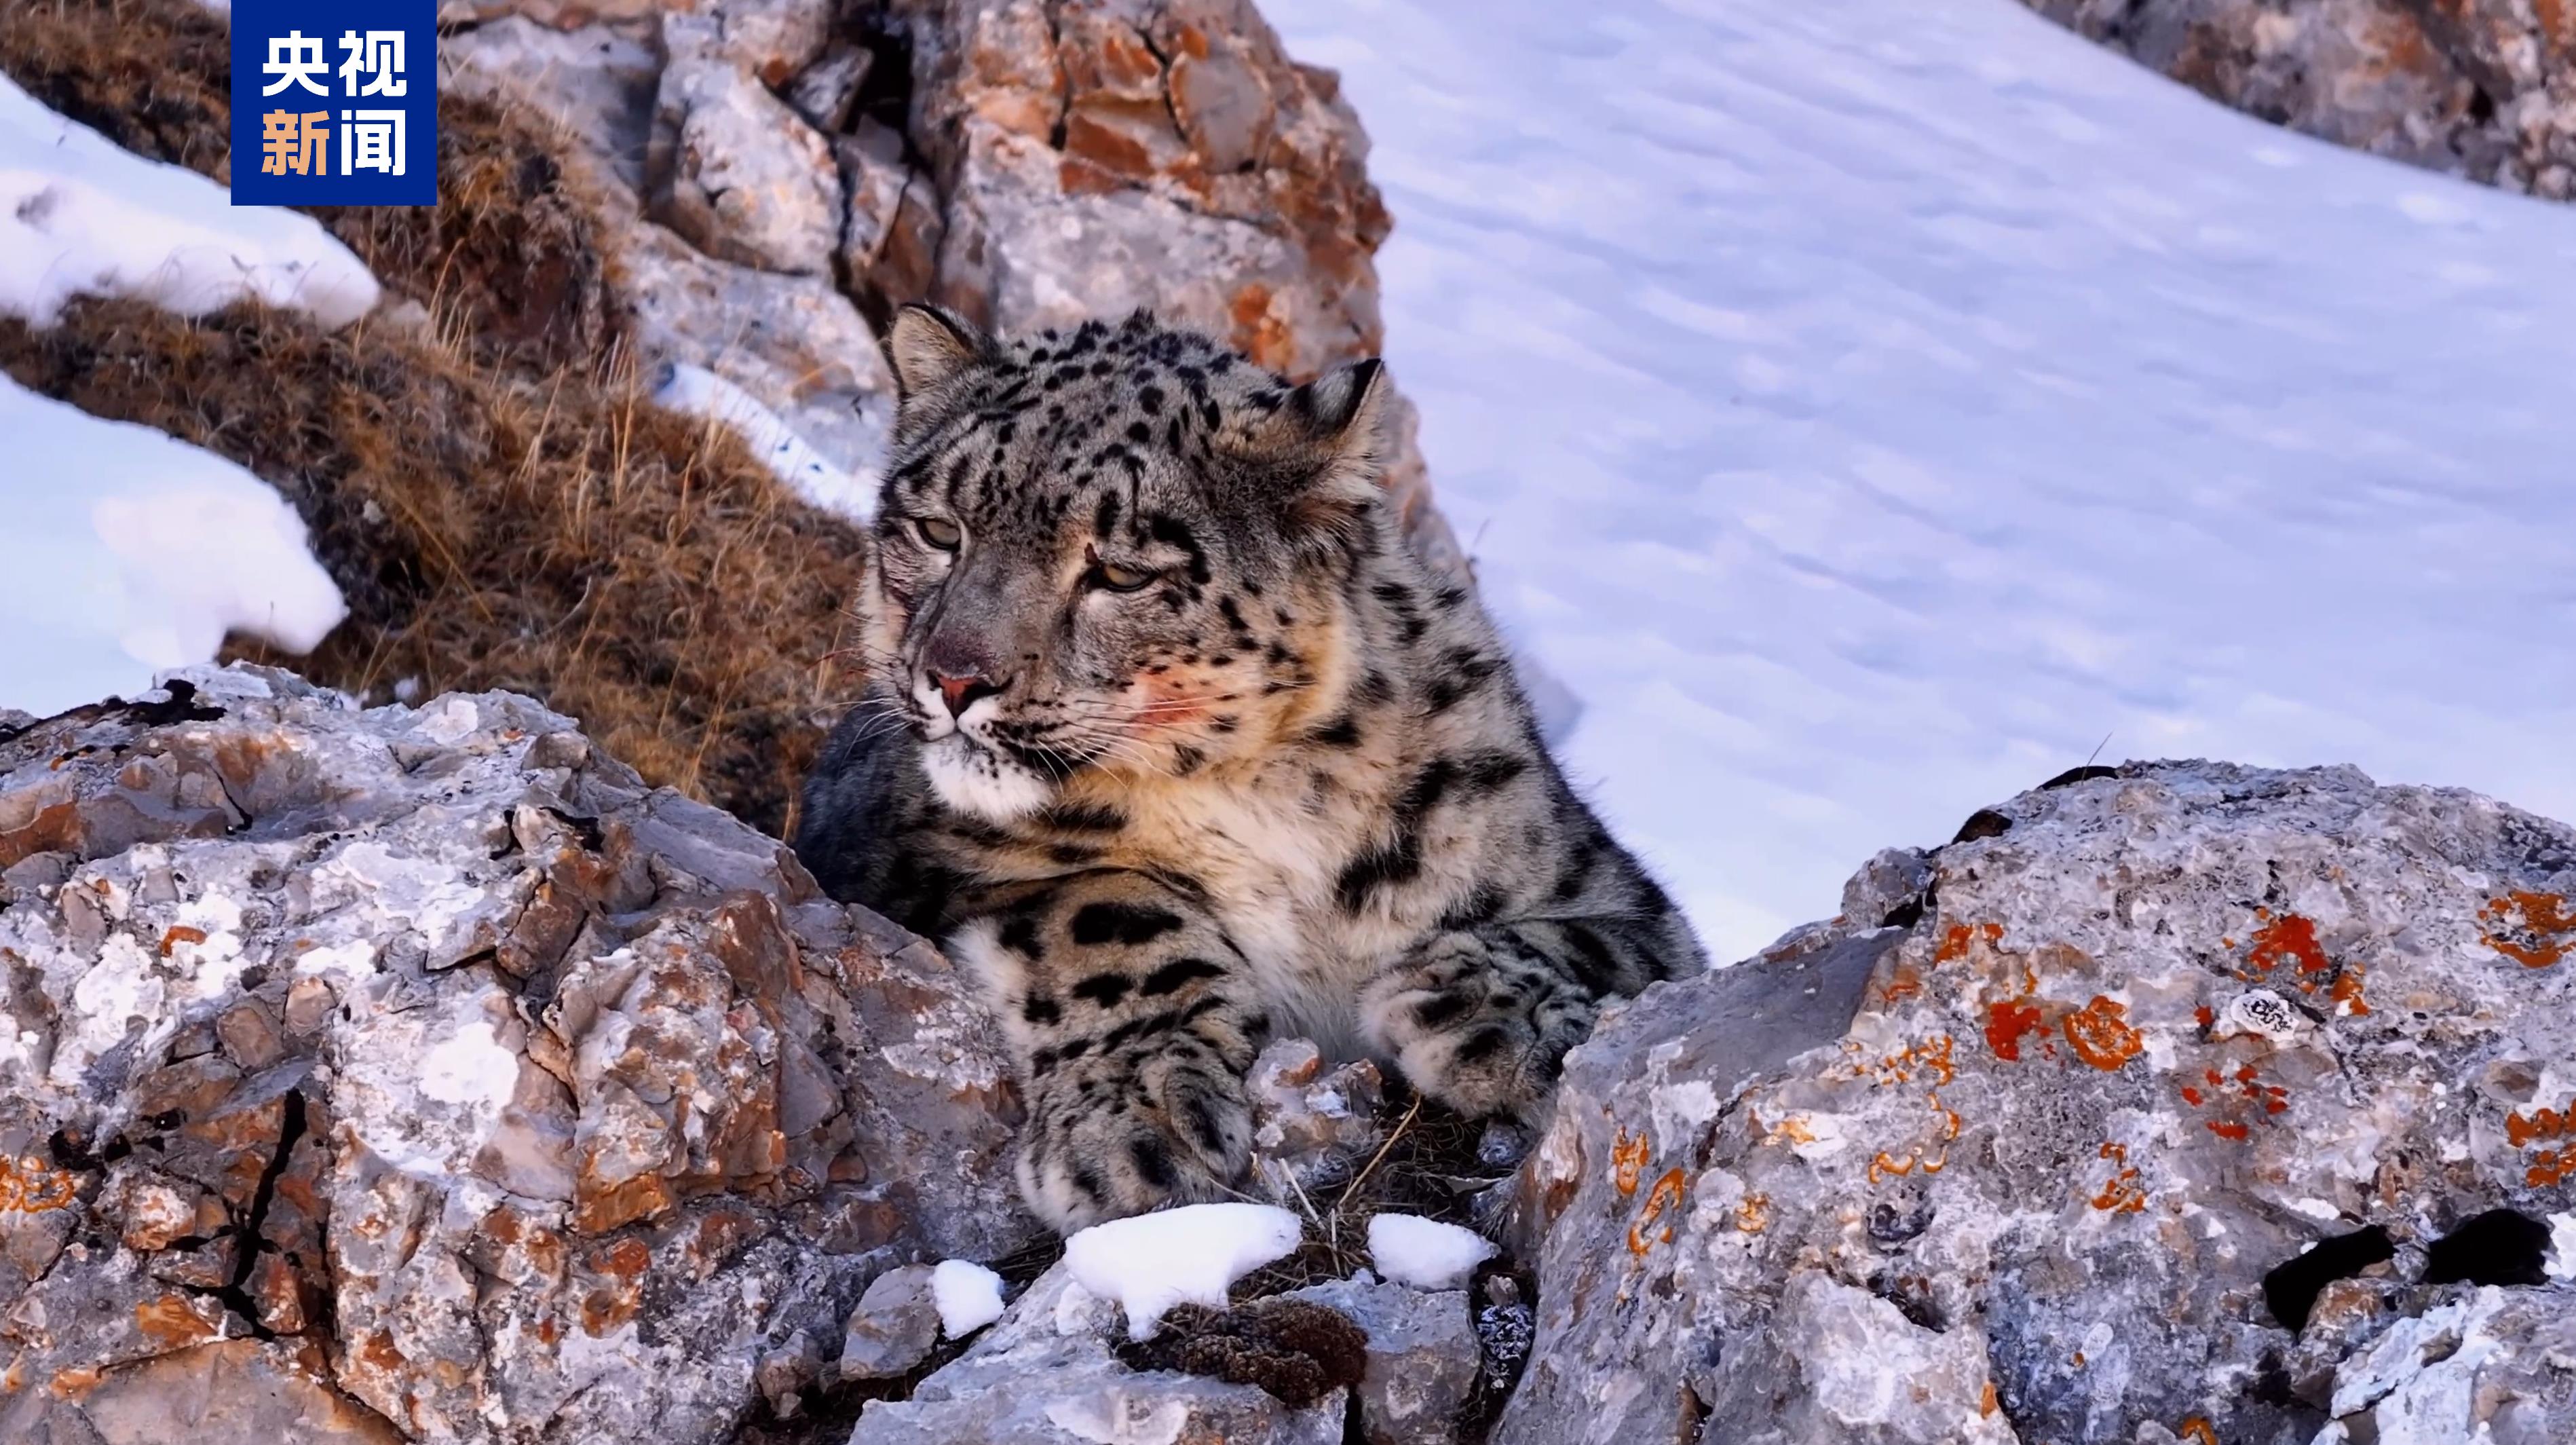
(420, 1073)
(2190, 1102)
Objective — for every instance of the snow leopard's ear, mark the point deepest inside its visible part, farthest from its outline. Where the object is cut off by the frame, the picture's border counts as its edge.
(1331, 434)
(931, 344)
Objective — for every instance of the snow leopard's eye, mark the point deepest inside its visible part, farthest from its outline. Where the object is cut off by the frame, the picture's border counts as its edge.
(939, 532)
(1119, 579)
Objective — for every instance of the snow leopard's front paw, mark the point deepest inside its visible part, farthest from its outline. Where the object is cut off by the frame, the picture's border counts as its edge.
(1122, 1135)
(1475, 1032)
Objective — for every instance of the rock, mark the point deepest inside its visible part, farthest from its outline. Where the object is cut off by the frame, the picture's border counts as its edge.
(1310, 1128)
(2480, 88)
(743, 177)
(1047, 1374)
(895, 1327)
(232, 1392)
(2187, 1103)
(792, 342)
(555, 14)
(1422, 1358)
(873, 174)
(514, 1099)
(2486, 1364)
(827, 89)
(598, 83)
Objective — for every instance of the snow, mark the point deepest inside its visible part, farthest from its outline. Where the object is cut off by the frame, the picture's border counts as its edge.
(1425, 1253)
(80, 216)
(696, 391)
(968, 1295)
(128, 552)
(1190, 1255)
(1870, 408)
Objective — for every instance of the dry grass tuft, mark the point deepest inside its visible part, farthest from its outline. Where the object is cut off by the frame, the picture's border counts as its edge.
(150, 75)
(508, 260)
(1428, 1166)
(559, 537)
(491, 492)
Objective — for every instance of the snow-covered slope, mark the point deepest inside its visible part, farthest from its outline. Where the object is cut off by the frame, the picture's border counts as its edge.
(123, 551)
(126, 551)
(1870, 407)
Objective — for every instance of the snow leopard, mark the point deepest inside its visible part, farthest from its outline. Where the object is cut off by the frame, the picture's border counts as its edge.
(1176, 744)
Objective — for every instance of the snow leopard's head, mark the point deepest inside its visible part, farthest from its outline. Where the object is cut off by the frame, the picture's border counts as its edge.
(1119, 546)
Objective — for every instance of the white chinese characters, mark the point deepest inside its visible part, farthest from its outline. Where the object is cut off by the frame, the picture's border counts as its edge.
(295, 58)
(371, 140)
(375, 64)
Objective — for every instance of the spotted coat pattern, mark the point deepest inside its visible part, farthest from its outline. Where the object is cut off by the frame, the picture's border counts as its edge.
(1215, 757)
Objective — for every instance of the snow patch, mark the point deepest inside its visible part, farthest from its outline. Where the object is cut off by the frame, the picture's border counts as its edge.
(80, 216)
(696, 391)
(2561, 1263)
(1425, 1253)
(1190, 1255)
(968, 1295)
(128, 553)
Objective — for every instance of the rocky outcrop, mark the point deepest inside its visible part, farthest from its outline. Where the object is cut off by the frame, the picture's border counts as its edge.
(2480, 88)
(779, 167)
(2187, 1103)
(420, 1073)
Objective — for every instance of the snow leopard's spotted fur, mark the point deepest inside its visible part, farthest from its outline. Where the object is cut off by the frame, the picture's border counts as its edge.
(1286, 784)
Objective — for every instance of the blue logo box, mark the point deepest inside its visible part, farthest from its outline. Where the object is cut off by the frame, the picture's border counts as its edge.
(335, 102)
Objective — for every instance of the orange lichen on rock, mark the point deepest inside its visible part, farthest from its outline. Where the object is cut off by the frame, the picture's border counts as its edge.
(2123, 1194)
(2288, 939)
(2229, 1129)
(1667, 1193)
(2100, 1034)
(1956, 942)
(172, 1321)
(29, 1186)
(2550, 1166)
(1753, 1214)
(2546, 1124)
(2346, 992)
(2007, 1022)
(180, 934)
(1628, 1160)
(2533, 929)
(1903, 983)
(2198, 1431)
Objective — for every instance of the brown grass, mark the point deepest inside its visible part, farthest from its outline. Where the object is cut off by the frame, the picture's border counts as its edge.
(490, 491)
(150, 75)
(558, 537)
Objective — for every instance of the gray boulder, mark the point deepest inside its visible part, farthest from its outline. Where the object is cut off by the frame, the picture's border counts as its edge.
(2195, 1102)
(1422, 1358)
(510, 1099)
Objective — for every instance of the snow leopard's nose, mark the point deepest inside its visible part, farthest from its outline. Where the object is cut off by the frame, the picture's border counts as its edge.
(960, 693)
